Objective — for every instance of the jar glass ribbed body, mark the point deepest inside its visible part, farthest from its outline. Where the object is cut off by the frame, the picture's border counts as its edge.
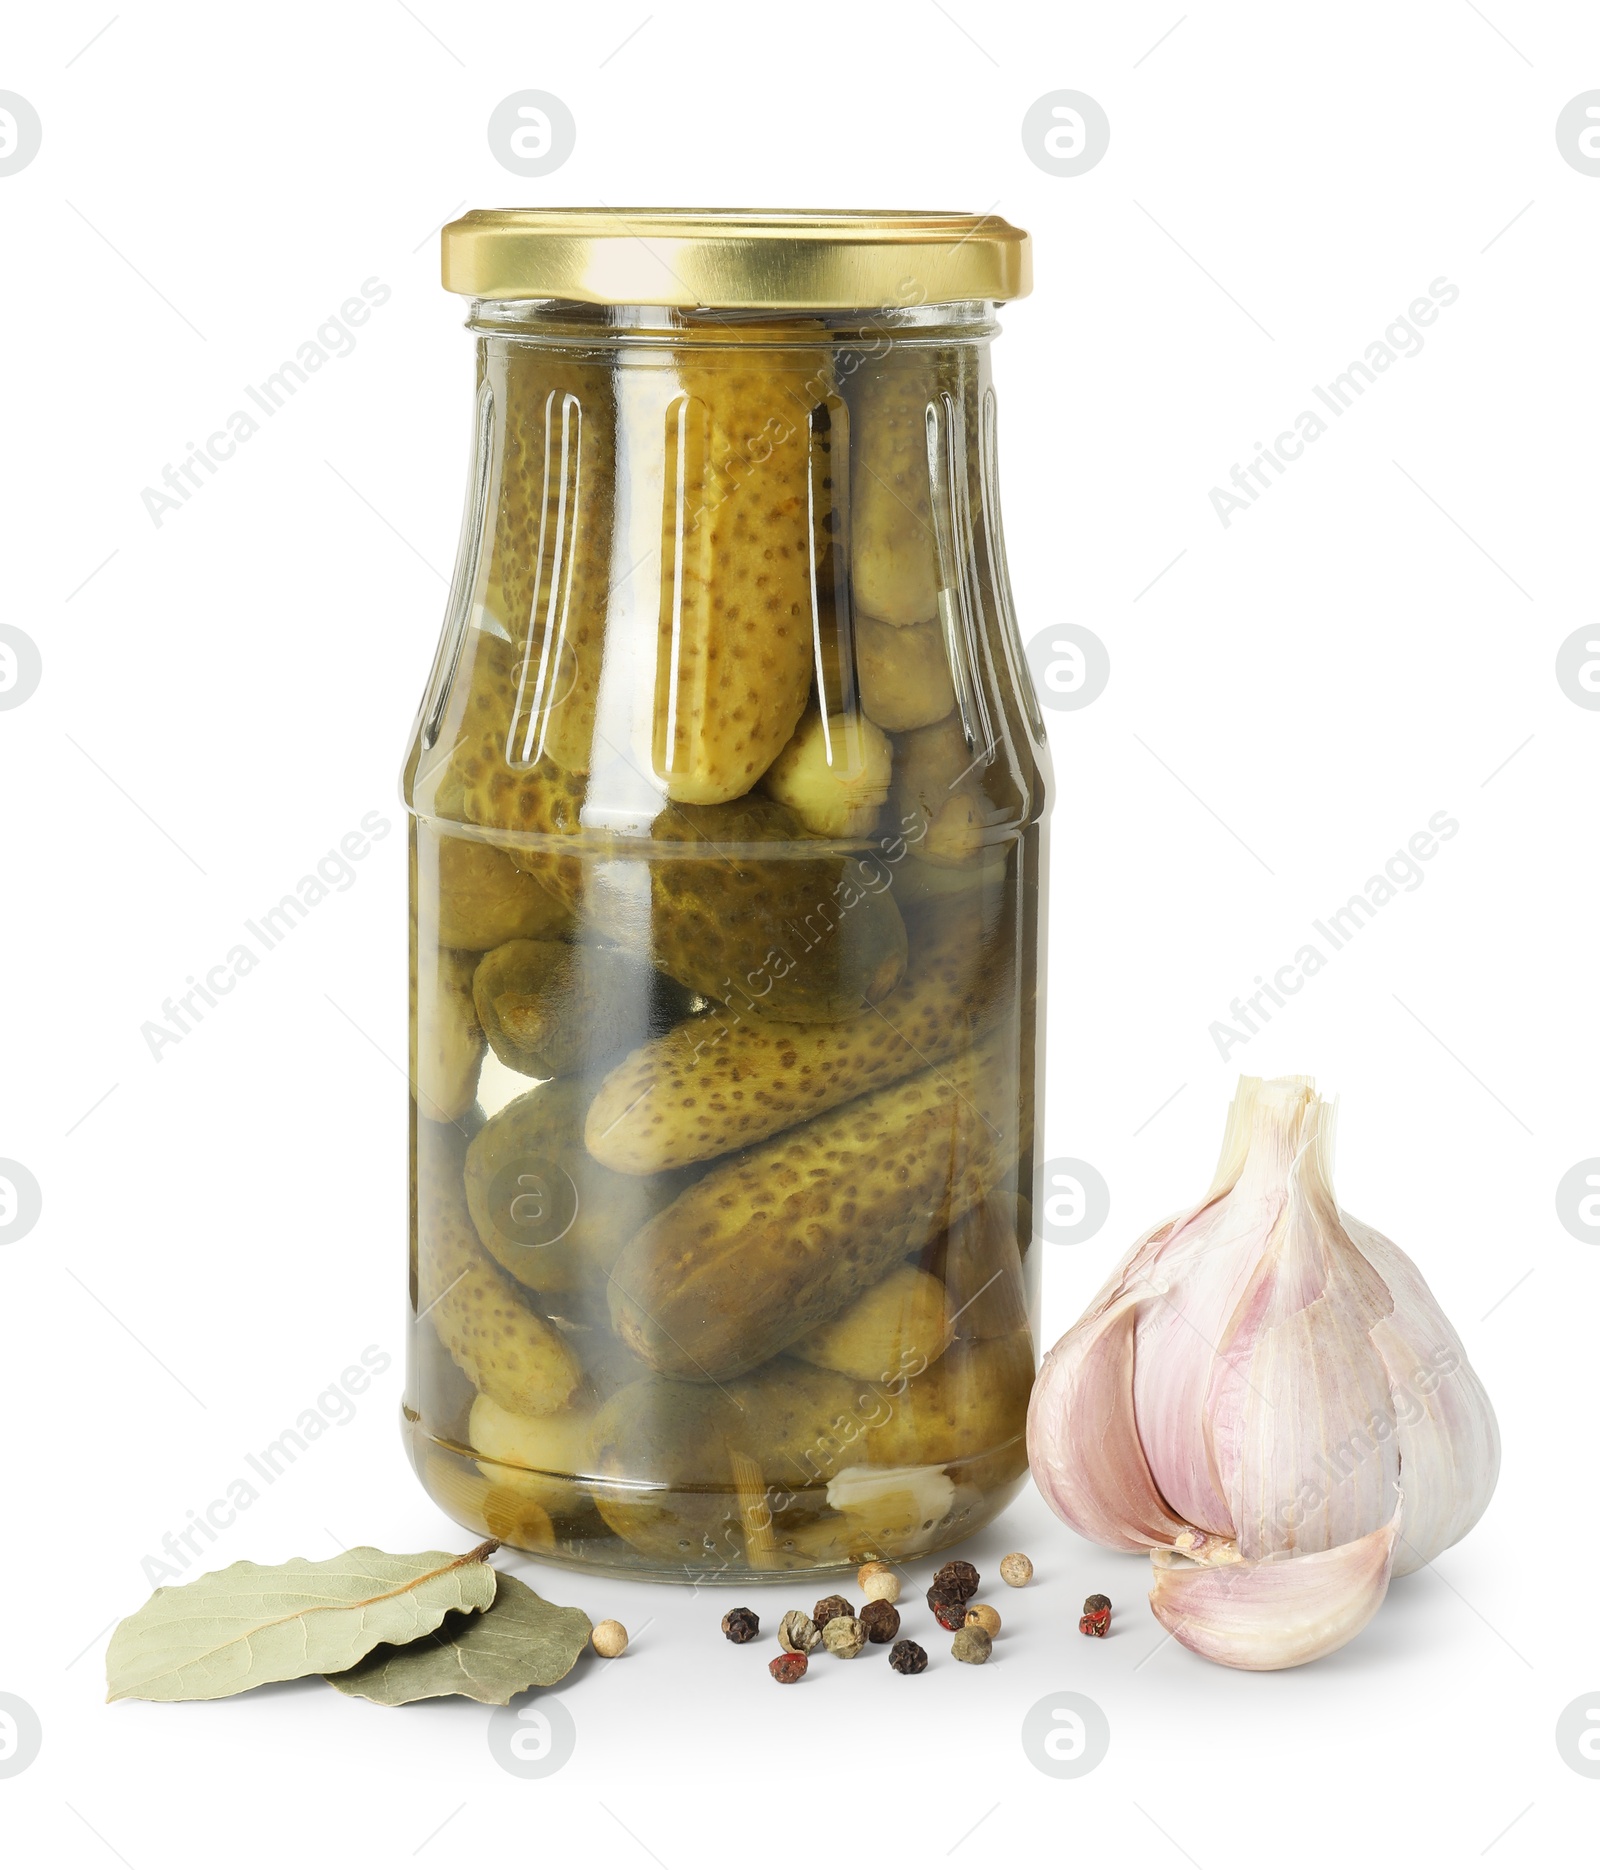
(726, 799)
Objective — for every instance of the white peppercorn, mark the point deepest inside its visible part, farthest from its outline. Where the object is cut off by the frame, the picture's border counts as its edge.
(798, 1633)
(609, 1638)
(844, 1636)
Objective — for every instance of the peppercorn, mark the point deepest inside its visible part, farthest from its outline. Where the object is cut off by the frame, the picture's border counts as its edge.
(956, 1579)
(972, 1644)
(1016, 1568)
(844, 1636)
(880, 1620)
(798, 1633)
(881, 1586)
(1096, 1618)
(740, 1625)
(873, 1568)
(985, 1616)
(788, 1667)
(827, 1608)
(908, 1658)
(948, 1612)
(609, 1637)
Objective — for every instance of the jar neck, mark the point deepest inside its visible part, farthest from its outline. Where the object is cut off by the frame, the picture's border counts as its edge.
(869, 330)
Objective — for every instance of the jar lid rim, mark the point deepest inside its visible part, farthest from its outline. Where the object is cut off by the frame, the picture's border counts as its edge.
(735, 258)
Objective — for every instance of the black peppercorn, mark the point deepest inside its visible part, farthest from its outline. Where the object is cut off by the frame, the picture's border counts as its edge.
(881, 1621)
(740, 1625)
(908, 1658)
(957, 1579)
(827, 1608)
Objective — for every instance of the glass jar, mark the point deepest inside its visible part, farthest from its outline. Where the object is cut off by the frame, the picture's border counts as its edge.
(726, 798)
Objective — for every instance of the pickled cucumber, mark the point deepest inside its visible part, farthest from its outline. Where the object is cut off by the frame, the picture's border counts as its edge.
(971, 1403)
(833, 774)
(904, 674)
(903, 1320)
(804, 938)
(978, 1261)
(893, 561)
(551, 1215)
(502, 795)
(550, 1007)
(714, 1083)
(786, 1235)
(503, 1347)
(484, 899)
(937, 796)
(734, 659)
(446, 1038)
(550, 559)
(920, 886)
(723, 1462)
(489, 1507)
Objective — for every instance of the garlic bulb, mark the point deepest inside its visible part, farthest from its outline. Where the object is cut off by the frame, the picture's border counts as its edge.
(1267, 1398)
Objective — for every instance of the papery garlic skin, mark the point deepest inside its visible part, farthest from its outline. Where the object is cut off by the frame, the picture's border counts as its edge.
(1263, 1375)
(1449, 1438)
(1275, 1613)
(1094, 1473)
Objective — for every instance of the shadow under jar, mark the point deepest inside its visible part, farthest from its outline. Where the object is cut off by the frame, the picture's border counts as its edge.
(726, 799)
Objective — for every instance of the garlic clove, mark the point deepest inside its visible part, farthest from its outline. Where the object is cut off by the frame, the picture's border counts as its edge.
(1448, 1438)
(897, 1508)
(1275, 1613)
(1300, 1421)
(1190, 1292)
(1196, 1287)
(1087, 1381)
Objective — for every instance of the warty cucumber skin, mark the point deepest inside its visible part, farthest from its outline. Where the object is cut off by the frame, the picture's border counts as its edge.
(767, 1246)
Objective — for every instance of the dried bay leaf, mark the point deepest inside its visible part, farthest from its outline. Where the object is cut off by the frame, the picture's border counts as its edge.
(519, 1642)
(249, 1624)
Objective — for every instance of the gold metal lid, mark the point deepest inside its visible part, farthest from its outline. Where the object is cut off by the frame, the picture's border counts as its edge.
(734, 257)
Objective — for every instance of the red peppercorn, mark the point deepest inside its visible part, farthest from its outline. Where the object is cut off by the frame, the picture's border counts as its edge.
(948, 1612)
(789, 1667)
(1096, 1618)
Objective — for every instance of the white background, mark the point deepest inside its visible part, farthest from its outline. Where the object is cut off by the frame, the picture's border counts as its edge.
(226, 695)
